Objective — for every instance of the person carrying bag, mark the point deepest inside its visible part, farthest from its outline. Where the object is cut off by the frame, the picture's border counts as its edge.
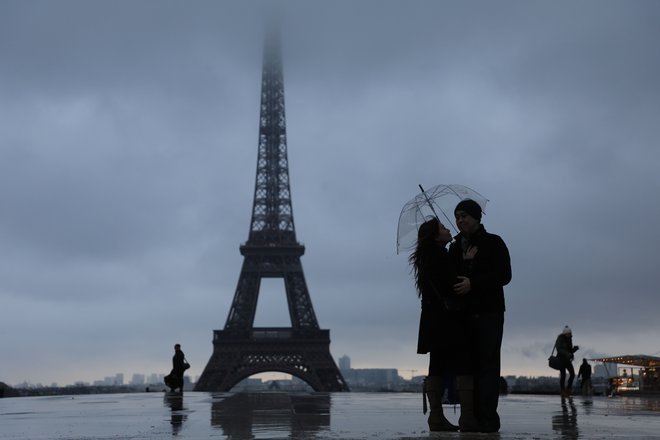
(565, 351)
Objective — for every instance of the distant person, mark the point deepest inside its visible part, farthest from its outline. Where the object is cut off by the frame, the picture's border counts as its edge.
(482, 282)
(179, 365)
(565, 350)
(443, 330)
(585, 375)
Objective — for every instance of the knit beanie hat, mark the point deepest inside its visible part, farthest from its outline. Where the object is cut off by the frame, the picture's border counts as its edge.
(566, 331)
(470, 207)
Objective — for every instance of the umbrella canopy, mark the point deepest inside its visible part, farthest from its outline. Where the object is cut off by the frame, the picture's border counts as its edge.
(438, 201)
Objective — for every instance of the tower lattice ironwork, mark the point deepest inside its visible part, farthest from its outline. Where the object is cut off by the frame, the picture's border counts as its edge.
(271, 251)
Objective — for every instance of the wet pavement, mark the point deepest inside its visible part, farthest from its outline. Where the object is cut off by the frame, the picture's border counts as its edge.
(196, 415)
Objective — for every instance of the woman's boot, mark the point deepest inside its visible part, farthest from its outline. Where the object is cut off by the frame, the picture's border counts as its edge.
(467, 422)
(434, 389)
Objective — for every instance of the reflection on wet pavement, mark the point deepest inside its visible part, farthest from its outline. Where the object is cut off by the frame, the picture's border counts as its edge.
(175, 402)
(565, 422)
(243, 416)
(312, 416)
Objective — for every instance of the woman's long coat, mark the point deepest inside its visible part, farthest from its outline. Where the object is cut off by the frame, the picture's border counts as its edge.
(441, 329)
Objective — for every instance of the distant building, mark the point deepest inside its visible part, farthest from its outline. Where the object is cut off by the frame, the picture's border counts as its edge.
(117, 379)
(137, 379)
(344, 363)
(418, 379)
(372, 378)
(249, 384)
(605, 370)
(155, 378)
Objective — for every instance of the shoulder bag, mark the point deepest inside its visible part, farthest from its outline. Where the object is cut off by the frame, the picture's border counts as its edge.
(553, 361)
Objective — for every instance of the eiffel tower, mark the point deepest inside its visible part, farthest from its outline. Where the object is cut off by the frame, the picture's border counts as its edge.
(271, 251)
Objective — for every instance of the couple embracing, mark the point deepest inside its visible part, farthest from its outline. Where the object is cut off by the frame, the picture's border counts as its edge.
(462, 318)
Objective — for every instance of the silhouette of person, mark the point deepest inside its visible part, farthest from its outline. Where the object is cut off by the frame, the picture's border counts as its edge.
(443, 330)
(482, 281)
(565, 350)
(179, 366)
(585, 375)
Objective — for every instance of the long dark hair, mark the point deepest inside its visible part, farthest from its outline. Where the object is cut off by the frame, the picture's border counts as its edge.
(426, 243)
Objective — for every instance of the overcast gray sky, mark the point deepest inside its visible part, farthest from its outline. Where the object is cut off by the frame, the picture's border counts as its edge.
(128, 142)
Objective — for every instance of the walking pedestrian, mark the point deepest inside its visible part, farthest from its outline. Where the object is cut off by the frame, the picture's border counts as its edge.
(584, 374)
(174, 380)
(565, 352)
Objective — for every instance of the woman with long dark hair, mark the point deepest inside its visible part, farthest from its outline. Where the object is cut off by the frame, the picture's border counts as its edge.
(443, 328)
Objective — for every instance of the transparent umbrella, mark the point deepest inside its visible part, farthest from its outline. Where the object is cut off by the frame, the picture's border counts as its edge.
(438, 201)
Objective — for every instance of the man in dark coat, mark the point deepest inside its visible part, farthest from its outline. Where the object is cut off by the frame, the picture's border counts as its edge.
(585, 375)
(483, 279)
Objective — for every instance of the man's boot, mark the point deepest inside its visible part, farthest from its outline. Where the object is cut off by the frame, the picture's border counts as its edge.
(467, 422)
(434, 389)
